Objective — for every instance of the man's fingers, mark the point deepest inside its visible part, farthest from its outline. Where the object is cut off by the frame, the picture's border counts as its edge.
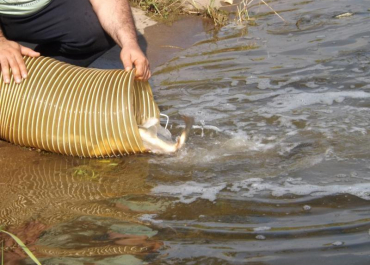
(21, 65)
(29, 52)
(149, 74)
(11, 58)
(5, 70)
(15, 69)
(146, 74)
(133, 56)
(140, 69)
(127, 63)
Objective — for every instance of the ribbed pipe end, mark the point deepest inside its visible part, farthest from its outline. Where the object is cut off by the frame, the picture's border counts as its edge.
(75, 111)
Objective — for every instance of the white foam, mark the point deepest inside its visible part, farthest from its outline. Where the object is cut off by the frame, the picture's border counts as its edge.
(262, 228)
(353, 129)
(363, 79)
(190, 191)
(299, 187)
(260, 96)
(356, 70)
(150, 218)
(311, 84)
(234, 83)
(245, 143)
(265, 83)
(207, 127)
(312, 68)
(285, 102)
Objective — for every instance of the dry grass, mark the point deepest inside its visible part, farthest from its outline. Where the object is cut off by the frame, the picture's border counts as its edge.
(170, 10)
(245, 6)
(163, 10)
(219, 17)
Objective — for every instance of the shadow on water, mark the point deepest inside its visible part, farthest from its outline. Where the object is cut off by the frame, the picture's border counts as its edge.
(276, 170)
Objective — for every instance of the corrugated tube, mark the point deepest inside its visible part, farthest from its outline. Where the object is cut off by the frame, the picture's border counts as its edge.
(76, 111)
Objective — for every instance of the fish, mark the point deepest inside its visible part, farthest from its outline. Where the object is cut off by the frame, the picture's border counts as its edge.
(157, 139)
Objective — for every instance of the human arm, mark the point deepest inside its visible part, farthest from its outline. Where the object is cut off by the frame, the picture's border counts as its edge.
(116, 19)
(11, 58)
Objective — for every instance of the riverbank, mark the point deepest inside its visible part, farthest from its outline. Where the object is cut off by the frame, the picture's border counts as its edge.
(159, 41)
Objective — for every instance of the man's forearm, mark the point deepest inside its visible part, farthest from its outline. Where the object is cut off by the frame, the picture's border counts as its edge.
(116, 18)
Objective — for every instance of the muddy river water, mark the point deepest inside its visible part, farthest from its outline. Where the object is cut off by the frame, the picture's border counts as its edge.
(276, 169)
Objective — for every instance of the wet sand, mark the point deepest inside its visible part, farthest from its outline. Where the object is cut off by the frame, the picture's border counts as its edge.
(165, 40)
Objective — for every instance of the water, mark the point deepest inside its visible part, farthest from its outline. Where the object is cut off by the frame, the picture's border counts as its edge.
(276, 169)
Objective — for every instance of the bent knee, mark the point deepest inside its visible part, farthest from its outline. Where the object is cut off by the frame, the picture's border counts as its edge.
(91, 40)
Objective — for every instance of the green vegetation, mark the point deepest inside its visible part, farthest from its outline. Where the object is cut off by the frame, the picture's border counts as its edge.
(21, 244)
(85, 173)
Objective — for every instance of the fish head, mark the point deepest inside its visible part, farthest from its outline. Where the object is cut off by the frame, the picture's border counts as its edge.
(157, 139)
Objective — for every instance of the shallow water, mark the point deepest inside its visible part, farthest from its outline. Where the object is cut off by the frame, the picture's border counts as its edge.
(276, 170)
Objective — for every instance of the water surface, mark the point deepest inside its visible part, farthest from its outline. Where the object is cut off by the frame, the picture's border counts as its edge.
(276, 169)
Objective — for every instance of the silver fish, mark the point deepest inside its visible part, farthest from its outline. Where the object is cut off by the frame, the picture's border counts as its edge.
(157, 139)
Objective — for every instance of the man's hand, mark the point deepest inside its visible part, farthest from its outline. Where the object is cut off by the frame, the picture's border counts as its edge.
(116, 19)
(11, 58)
(132, 55)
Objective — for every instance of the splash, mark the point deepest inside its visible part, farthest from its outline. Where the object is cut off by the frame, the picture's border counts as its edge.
(157, 139)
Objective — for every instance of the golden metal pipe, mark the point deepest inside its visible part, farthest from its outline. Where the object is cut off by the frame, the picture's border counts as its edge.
(76, 111)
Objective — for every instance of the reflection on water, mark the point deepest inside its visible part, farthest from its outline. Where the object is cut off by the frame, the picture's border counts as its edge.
(65, 207)
(55, 190)
(276, 170)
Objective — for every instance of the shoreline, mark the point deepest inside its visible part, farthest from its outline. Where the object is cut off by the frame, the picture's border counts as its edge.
(159, 41)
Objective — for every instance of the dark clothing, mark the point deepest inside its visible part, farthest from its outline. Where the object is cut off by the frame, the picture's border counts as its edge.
(67, 30)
